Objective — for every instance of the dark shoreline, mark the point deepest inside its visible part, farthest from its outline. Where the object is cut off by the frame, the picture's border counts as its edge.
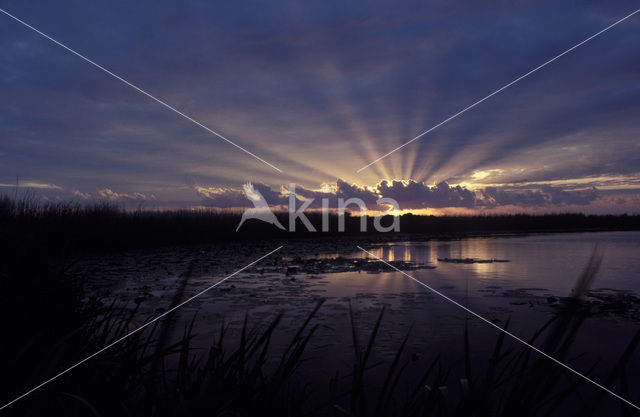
(70, 230)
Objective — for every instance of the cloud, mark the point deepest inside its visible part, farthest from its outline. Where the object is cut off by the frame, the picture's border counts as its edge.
(415, 195)
(80, 194)
(543, 196)
(333, 84)
(225, 197)
(340, 190)
(108, 194)
(410, 195)
(31, 184)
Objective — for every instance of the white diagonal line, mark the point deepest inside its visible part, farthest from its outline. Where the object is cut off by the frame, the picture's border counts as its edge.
(136, 330)
(501, 88)
(503, 330)
(138, 89)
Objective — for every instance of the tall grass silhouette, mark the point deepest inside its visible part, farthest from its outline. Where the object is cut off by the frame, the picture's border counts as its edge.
(47, 325)
(148, 375)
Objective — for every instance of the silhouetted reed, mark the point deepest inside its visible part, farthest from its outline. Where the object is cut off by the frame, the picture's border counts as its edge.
(46, 327)
(147, 375)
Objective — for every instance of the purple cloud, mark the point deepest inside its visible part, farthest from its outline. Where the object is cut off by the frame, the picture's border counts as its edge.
(416, 195)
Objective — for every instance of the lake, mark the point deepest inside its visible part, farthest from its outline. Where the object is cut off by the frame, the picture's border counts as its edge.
(522, 279)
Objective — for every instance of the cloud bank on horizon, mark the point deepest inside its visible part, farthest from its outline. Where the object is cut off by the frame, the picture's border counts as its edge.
(442, 198)
(320, 90)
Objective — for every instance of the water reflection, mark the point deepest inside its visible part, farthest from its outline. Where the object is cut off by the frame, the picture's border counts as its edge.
(429, 252)
(540, 266)
(549, 261)
(406, 251)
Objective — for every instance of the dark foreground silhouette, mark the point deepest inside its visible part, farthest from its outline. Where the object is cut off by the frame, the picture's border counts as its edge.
(47, 324)
(148, 375)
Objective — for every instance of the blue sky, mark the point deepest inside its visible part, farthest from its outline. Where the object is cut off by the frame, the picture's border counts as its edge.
(320, 89)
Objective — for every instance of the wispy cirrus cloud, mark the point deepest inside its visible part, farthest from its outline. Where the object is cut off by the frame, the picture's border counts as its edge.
(31, 184)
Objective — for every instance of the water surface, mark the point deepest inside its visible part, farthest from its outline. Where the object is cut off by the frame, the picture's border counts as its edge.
(525, 290)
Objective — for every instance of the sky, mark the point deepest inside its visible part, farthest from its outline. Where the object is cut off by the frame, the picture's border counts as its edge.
(319, 90)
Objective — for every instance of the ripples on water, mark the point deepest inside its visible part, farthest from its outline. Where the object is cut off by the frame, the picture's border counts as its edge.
(541, 269)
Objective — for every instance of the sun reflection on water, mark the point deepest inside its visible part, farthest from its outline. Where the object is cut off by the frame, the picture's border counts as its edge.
(420, 253)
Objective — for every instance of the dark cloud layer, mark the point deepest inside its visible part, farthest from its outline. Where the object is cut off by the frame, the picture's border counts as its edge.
(544, 196)
(409, 195)
(320, 89)
(414, 195)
